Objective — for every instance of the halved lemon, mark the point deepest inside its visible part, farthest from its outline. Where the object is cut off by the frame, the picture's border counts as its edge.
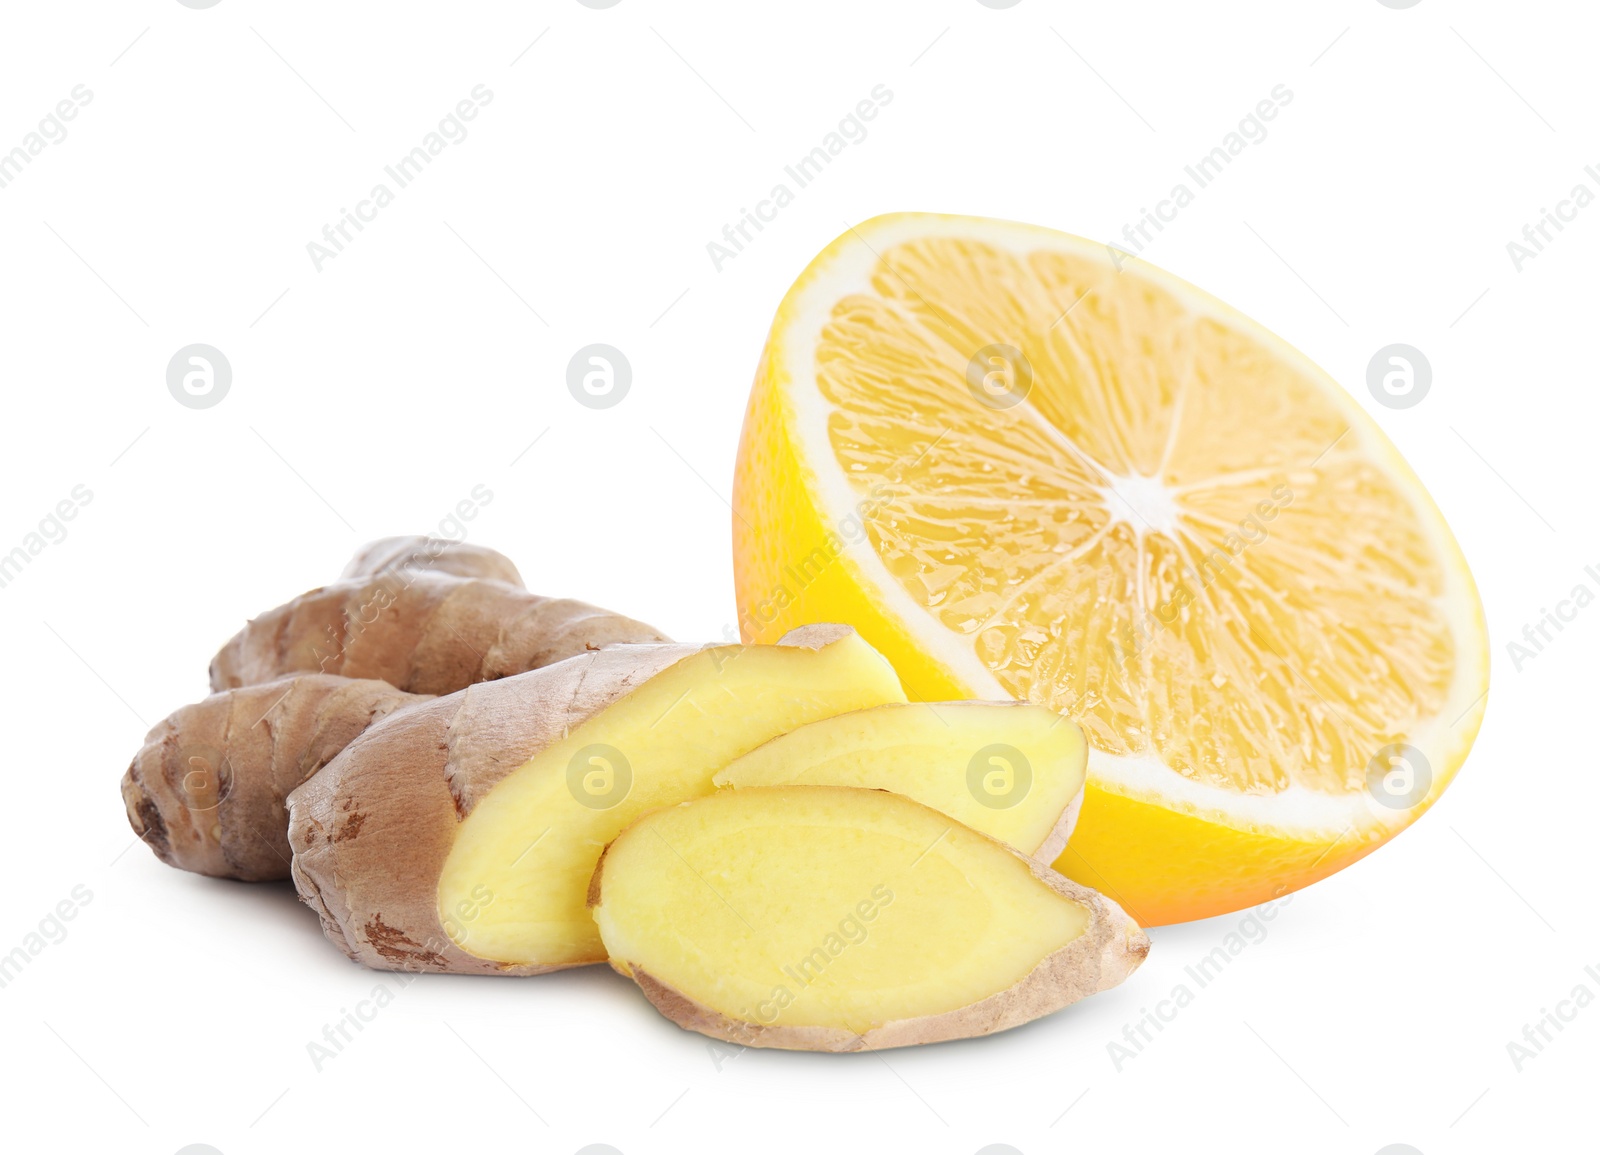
(1023, 465)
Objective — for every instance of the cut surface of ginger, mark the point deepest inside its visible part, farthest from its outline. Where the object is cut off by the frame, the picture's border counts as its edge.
(523, 857)
(1011, 770)
(813, 916)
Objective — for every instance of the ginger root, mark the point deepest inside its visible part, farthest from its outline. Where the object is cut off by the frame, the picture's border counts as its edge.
(458, 558)
(440, 760)
(426, 616)
(207, 790)
(410, 617)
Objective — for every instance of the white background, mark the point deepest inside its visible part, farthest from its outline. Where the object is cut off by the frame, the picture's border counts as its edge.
(370, 397)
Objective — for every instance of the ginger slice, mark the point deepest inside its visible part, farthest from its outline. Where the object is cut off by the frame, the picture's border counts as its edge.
(512, 888)
(837, 919)
(1011, 770)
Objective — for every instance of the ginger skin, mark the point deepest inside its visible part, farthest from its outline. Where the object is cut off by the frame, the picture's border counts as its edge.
(207, 790)
(410, 618)
(426, 616)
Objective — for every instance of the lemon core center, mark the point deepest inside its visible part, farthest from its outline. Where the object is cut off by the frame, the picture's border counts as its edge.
(1145, 503)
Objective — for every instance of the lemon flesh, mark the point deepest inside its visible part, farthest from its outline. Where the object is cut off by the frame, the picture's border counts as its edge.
(1022, 471)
